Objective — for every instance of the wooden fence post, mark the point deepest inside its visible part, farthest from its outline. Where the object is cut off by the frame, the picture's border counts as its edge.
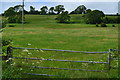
(109, 56)
(9, 55)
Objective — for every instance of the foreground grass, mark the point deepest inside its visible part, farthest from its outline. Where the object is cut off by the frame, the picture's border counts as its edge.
(44, 32)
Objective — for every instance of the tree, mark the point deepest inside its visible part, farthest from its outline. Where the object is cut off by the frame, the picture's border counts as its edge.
(51, 10)
(94, 17)
(32, 9)
(14, 14)
(3, 24)
(10, 12)
(59, 9)
(43, 10)
(72, 12)
(26, 12)
(80, 9)
(88, 10)
(18, 8)
(63, 17)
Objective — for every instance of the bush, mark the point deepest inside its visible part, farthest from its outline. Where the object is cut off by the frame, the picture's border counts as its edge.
(63, 17)
(103, 25)
(6, 42)
(11, 25)
(113, 25)
(118, 19)
(105, 20)
(97, 25)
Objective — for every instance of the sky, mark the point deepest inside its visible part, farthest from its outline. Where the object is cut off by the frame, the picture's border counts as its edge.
(61, 0)
(107, 6)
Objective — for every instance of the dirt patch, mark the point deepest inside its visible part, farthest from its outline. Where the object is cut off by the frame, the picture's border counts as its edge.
(109, 39)
(58, 42)
(30, 32)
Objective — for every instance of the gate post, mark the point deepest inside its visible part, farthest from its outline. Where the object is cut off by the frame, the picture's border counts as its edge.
(9, 55)
(109, 56)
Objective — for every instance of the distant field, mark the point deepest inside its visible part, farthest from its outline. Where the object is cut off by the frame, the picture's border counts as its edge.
(50, 34)
(42, 31)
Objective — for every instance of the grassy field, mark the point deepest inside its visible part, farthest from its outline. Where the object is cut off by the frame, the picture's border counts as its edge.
(41, 31)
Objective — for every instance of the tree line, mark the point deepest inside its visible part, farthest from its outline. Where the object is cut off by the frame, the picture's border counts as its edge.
(14, 14)
(56, 10)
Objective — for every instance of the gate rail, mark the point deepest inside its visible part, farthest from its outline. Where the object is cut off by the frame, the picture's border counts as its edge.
(10, 56)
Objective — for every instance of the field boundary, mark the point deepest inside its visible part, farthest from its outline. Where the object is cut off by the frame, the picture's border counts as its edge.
(108, 62)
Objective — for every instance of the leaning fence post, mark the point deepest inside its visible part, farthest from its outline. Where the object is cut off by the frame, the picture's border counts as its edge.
(109, 55)
(9, 55)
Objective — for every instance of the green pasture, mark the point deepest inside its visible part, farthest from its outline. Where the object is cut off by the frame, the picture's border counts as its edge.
(41, 31)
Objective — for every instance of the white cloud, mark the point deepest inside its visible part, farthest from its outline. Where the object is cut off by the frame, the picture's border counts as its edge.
(60, 0)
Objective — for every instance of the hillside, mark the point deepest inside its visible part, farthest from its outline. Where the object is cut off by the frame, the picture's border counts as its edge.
(42, 31)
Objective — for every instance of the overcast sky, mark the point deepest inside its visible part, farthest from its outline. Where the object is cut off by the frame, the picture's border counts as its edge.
(107, 6)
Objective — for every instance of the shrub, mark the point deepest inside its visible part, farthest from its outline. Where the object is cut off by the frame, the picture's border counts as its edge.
(105, 19)
(6, 42)
(118, 19)
(97, 25)
(113, 25)
(11, 25)
(113, 19)
(63, 17)
(103, 25)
